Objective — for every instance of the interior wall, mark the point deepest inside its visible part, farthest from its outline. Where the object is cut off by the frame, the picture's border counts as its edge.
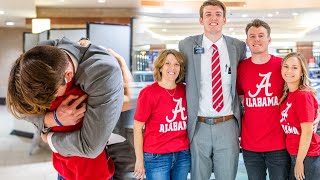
(10, 50)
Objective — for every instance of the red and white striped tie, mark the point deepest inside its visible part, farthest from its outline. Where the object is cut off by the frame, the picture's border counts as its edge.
(217, 96)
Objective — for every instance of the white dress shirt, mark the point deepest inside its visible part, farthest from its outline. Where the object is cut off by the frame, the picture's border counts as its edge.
(205, 100)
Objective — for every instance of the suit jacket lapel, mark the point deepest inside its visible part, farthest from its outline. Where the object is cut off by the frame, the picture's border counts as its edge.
(233, 63)
(197, 60)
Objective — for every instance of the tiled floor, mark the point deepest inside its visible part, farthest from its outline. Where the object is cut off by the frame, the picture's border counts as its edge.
(17, 164)
(15, 161)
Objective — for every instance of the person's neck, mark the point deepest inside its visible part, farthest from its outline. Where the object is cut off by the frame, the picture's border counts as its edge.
(261, 58)
(167, 84)
(293, 86)
(213, 37)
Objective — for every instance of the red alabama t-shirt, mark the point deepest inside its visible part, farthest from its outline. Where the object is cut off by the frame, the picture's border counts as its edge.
(165, 118)
(261, 85)
(300, 106)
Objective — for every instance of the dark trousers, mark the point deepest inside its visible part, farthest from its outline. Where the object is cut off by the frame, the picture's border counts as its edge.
(276, 162)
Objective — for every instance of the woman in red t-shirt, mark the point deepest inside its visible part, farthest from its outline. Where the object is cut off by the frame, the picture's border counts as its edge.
(298, 110)
(162, 152)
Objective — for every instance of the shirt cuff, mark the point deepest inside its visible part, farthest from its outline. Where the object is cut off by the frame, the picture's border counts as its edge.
(50, 142)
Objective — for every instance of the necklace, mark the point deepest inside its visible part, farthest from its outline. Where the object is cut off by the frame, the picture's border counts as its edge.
(173, 91)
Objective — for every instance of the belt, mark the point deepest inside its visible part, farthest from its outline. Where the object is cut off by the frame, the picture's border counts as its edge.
(211, 121)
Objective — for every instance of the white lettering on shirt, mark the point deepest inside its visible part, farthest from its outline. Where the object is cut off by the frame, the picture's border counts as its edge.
(263, 84)
(269, 100)
(173, 125)
(286, 127)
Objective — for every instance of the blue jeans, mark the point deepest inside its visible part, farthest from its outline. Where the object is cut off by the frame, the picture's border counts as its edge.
(311, 167)
(175, 166)
(277, 163)
(60, 177)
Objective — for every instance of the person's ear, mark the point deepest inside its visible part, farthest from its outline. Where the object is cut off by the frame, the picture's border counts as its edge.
(68, 75)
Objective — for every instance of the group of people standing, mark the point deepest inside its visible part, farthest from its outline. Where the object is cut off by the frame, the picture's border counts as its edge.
(280, 109)
(78, 91)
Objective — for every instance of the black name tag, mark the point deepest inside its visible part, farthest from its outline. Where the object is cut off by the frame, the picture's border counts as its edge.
(198, 50)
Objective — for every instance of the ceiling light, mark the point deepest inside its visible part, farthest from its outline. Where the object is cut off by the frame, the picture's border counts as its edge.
(1, 12)
(10, 23)
(101, 1)
(295, 14)
(245, 5)
(164, 30)
(40, 25)
(244, 15)
(269, 15)
(61, 0)
(277, 13)
(167, 21)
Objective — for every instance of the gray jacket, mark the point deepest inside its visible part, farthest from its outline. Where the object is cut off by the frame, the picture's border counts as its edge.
(237, 52)
(99, 75)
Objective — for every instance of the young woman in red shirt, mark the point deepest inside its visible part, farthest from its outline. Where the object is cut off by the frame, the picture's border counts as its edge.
(298, 110)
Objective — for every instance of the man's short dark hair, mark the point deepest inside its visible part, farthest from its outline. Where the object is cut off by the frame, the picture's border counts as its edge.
(34, 80)
(212, 3)
(258, 23)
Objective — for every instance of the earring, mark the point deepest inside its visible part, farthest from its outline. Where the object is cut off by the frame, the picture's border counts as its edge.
(66, 80)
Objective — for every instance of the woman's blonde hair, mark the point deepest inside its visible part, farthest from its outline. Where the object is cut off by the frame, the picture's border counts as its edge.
(304, 83)
(160, 61)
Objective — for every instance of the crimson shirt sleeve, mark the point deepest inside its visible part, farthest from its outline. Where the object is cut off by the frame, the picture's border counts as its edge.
(305, 108)
(238, 82)
(144, 105)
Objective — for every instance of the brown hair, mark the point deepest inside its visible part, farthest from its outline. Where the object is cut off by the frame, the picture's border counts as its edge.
(160, 61)
(212, 3)
(258, 23)
(34, 80)
(304, 83)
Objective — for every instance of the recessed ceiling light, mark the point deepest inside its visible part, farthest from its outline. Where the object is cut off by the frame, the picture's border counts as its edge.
(101, 1)
(244, 15)
(164, 30)
(269, 15)
(295, 14)
(10, 23)
(1, 12)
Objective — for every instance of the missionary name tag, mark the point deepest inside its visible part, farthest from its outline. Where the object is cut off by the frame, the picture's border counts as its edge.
(198, 50)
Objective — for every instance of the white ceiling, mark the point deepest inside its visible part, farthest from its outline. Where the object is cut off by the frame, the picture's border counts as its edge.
(18, 10)
(175, 19)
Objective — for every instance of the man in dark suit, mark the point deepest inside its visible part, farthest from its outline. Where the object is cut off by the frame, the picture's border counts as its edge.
(213, 103)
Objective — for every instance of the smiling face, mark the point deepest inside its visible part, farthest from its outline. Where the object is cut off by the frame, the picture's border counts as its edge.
(170, 69)
(212, 20)
(291, 71)
(258, 40)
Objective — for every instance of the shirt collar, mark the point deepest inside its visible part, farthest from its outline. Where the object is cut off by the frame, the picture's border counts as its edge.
(74, 61)
(207, 43)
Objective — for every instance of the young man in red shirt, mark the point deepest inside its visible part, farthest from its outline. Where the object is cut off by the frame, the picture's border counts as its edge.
(259, 81)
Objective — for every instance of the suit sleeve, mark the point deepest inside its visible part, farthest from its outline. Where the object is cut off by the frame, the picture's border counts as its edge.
(99, 75)
(243, 52)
